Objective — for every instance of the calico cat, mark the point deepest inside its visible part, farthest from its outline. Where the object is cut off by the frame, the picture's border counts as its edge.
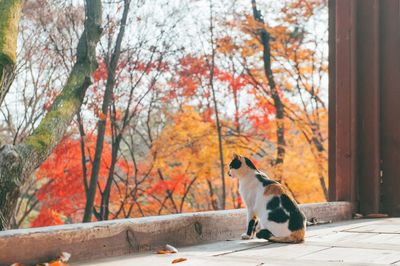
(269, 205)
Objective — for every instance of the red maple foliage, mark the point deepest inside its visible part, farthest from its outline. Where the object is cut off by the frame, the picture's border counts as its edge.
(63, 194)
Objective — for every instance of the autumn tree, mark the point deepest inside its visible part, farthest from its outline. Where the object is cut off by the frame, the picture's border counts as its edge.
(191, 135)
(298, 64)
(141, 64)
(300, 67)
(91, 185)
(125, 91)
(17, 162)
(43, 62)
(273, 92)
(211, 66)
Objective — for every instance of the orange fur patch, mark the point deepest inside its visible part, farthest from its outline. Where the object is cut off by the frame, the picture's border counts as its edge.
(274, 189)
(278, 189)
(295, 237)
(298, 235)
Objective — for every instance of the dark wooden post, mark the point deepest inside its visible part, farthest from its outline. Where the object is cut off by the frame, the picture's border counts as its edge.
(390, 105)
(364, 139)
(332, 100)
(368, 105)
(342, 103)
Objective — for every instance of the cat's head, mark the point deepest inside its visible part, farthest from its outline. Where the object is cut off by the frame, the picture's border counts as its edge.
(240, 166)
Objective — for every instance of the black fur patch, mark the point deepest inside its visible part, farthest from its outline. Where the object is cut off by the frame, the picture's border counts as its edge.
(296, 221)
(265, 182)
(278, 215)
(235, 164)
(250, 227)
(297, 218)
(288, 204)
(273, 203)
(264, 234)
(250, 163)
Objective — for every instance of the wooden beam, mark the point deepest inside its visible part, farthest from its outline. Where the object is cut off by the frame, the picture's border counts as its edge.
(332, 100)
(343, 133)
(368, 105)
(390, 104)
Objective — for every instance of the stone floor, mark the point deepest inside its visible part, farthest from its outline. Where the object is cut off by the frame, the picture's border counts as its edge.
(356, 242)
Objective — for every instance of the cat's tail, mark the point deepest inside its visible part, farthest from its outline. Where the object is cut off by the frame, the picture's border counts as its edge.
(295, 237)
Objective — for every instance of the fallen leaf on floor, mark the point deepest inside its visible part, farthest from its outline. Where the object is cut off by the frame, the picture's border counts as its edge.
(178, 260)
(61, 260)
(54, 263)
(171, 248)
(168, 249)
(163, 251)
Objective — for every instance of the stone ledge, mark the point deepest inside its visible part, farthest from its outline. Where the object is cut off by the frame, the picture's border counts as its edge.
(121, 237)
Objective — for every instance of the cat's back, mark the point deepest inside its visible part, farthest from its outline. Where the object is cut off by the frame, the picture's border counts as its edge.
(282, 208)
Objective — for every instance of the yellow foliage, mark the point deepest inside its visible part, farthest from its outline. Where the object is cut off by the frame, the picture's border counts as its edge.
(189, 146)
(301, 169)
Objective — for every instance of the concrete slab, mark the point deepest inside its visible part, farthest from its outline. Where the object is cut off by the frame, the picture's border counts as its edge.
(331, 244)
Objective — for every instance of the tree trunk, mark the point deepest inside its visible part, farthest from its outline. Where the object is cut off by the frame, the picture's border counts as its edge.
(280, 125)
(213, 198)
(101, 125)
(217, 121)
(18, 162)
(10, 181)
(105, 199)
(10, 11)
